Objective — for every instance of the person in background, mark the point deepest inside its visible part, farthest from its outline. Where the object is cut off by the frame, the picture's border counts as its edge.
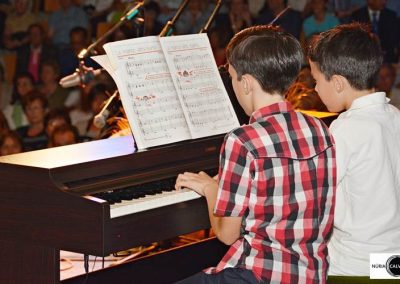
(23, 85)
(97, 10)
(57, 96)
(290, 21)
(4, 129)
(151, 24)
(274, 196)
(33, 135)
(10, 144)
(384, 24)
(31, 55)
(62, 21)
(55, 118)
(193, 18)
(320, 20)
(237, 18)
(367, 135)
(17, 24)
(386, 83)
(64, 135)
(5, 90)
(344, 8)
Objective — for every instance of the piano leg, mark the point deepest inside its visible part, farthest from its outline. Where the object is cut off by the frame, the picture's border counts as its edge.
(26, 263)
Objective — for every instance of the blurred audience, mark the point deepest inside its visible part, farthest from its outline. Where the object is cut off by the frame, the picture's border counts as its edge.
(35, 51)
(23, 85)
(320, 20)
(10, 144)
(64, 135)
(5, 90)
(17, 23)
(386, 83)
(384, 24)
(33, 135)
(290, 21)
(61, 22)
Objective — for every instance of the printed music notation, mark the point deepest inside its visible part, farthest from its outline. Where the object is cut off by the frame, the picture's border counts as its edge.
(170, 89)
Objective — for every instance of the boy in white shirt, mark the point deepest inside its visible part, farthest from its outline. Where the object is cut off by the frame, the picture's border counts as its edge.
(345, 62)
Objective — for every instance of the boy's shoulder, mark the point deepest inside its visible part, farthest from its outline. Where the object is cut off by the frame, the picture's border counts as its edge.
(291, 135)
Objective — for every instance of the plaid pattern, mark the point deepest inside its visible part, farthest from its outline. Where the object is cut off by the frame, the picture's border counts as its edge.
(279, 173)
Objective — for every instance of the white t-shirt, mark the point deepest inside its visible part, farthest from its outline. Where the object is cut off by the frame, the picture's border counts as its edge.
(367, 212)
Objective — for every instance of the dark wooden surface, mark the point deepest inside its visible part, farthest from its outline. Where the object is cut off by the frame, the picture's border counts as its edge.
(164, 267)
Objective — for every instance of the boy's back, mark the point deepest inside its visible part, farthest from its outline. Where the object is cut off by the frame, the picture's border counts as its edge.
(288, 209)
(368, 198)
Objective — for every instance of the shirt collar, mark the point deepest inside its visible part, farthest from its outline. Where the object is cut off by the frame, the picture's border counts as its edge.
(270, 110)
(371, 13)
(378, 98)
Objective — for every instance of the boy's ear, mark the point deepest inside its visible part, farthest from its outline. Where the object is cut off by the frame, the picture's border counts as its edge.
(246, 81)
(339, 83)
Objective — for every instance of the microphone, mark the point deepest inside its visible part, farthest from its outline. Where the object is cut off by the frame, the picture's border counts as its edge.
(169, 27)
(211, 18)
(79, 77)
(100, 119)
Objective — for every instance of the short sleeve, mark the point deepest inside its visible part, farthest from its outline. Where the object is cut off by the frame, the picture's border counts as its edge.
(234, 178)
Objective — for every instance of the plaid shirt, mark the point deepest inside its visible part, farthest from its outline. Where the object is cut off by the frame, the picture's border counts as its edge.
(279, 173)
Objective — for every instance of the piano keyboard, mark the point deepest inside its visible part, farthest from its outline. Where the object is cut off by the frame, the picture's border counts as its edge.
(144, 197)
(152, 201)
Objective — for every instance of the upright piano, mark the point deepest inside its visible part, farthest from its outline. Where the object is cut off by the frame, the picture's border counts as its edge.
(73, 198)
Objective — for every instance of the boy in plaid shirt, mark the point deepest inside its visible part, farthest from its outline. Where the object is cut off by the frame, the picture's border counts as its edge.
(274, 198)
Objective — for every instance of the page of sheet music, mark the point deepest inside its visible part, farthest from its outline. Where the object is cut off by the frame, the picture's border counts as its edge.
(206, 104)
(147, 92)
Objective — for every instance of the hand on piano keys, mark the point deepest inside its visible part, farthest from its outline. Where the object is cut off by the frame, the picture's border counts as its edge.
(199, 183)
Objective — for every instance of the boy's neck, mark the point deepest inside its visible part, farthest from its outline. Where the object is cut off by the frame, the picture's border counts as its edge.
(355, 94)
(266, 99)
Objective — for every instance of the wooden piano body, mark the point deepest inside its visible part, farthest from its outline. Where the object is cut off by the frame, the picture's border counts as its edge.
(43, 208)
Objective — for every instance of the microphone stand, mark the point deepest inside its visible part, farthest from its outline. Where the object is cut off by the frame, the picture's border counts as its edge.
(128, 16)
(169, 27)
(212, 17)
(132, 13)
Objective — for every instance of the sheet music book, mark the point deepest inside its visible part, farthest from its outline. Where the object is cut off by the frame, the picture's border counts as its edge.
(170, 88)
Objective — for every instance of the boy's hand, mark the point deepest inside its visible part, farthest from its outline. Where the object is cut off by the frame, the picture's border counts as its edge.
(198, 182)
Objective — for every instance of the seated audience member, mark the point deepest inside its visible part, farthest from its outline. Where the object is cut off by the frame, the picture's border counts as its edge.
(97, 10)
(68, 57)
(82, 118)
(273, 199)
(367, 137)
(151, 24)
(62, 21)
(219, 39)
(5, 90)
(17, 24)
(64, 135)
(55, 118)
(57, 96)
(237, 18)
(320, 20)
(31, 55)
(386, 83)
(383, 23)
(10, 144)
(193, 18)
(4, 129)
(23, 85)
(34, 135)
(344, 8)
(290, 21)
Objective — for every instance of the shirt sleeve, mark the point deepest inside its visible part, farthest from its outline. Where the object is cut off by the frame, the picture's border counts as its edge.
(235, 178)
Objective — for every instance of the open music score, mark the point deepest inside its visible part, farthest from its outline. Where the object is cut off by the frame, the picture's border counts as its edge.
(170, 88)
